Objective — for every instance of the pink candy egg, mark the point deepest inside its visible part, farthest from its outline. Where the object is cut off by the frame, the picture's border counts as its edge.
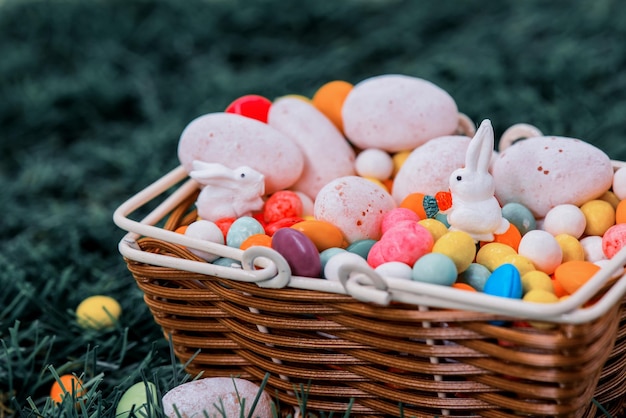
(397, 112)
(355, 205)
(406, 242)
(613, 240)
(397, 215)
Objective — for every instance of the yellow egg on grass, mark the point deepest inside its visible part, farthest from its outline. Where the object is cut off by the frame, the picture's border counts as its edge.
(98, 312)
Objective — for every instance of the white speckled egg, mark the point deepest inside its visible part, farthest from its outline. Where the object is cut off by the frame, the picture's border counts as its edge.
(327, 154)
(234, 140)
(355, 205)
(544, 172)
(427, 169)
(397, 112)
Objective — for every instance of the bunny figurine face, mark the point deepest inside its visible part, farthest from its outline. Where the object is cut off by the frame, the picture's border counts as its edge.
(474, 208)
(226, 192)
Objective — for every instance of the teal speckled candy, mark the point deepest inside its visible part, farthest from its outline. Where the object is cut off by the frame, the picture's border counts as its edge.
(443, 218)
(430, 206)
(475, 275)
(520, 216)
(241, 229)
(435, 268)
(227, 262)
(361, 247)
(327, 254)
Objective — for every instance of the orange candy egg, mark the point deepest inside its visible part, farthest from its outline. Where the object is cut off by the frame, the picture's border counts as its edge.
(415, 202)
(65, 386)
(620, 212)
(571, 275)
(329, 99)
(511, 237)
(256, 240)
(323, 234)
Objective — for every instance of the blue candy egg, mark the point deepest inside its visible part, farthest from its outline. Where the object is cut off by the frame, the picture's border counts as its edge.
(241, 229)
(505, 281)
(435, 268)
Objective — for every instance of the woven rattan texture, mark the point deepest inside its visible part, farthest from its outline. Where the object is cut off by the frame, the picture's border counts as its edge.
(432, 362)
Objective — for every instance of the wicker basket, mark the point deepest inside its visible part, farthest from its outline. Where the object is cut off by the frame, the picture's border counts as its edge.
(377, 346)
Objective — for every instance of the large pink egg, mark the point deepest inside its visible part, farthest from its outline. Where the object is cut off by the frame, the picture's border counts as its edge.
(355, 205)
(235, 140)
(327, 154)
(397, 112)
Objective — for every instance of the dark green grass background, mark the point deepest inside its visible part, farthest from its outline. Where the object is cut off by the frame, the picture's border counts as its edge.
(94, 95)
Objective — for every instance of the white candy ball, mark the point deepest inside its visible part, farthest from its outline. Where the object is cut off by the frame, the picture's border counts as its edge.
(375, 163)
(592, 245)
(619, 183)
(207, 231)
(542, 249)
(565, 219)
(331, 269)
(307, 204)
(395, 269)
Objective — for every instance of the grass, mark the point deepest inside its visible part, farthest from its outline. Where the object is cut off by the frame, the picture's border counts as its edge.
(94, 94)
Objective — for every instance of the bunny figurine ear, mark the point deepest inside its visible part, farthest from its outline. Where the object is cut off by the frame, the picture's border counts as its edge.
(480, 149)
(203, 171)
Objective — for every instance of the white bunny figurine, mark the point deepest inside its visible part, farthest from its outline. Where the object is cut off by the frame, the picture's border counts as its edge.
(227, 192)
(474, 208)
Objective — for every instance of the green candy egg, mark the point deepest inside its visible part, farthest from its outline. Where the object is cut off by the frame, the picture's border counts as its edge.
(136, 399)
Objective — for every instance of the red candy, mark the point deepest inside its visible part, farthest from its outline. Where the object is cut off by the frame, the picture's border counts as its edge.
(252, 106)
(224, 224)
(280, 205)
(271, 228)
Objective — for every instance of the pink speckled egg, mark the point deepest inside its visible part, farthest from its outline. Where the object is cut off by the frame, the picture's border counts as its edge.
(355, 205)
(235, 140)
(543, 172)
(397, 215)
(396, 112)
(327, 154)
(427, 169)
(406, 242)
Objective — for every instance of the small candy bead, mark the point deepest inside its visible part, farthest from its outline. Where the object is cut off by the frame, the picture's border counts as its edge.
(573, 274)
(374, 163)
(572, 248)
(436, 228)
(619, 183)
(282, 204)
(475, 275)
(241, 229)
(600, 216)
(396, 270)
(565, 219)
(459, 246)
(520, 216)
(537, 280)
(435, 268)
(542, 250)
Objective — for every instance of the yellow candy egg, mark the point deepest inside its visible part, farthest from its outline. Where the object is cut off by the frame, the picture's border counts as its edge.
(398, 160)
(572, 248)
(323, 234)
(537, 280)
(491, 255)
(540, 296)
(459, 246)
(600, 216)
(436, 228)
(98, 312)
(523, 264)
(378, 183)
(610, 197)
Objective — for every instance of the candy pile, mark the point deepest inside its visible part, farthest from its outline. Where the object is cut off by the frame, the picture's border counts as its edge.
(389, 174)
